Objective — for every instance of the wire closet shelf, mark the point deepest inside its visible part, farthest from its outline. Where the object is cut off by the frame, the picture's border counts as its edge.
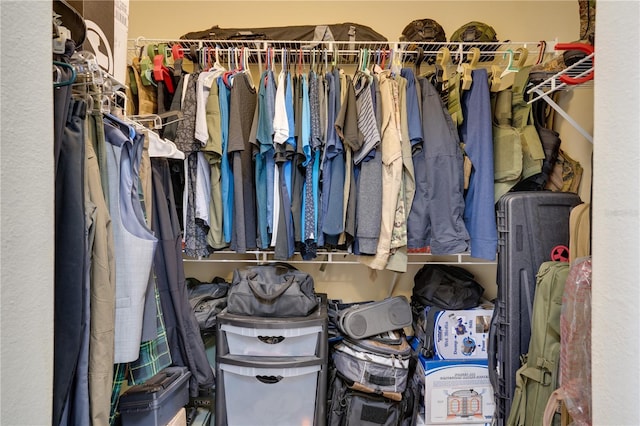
(343, 52)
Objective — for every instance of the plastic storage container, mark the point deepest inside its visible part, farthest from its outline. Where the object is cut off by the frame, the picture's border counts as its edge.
(301, 341)
(239, 335)
(155, 402)
(262, 395)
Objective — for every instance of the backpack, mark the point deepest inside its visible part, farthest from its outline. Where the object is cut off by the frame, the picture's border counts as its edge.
(566, 174)
(379, 364)
(349, 407)
(364, 389)
(422, 30)
(537, 378)
(446, 287)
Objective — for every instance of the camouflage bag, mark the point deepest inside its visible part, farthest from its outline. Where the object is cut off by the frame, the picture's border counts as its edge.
(587, 20)
(566, 174)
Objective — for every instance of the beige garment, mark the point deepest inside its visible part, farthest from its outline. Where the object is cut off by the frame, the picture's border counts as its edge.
(145, 180)
(398, 259)
(102, 296)
(391, 170)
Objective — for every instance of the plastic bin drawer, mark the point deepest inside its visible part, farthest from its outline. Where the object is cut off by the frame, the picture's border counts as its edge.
(269, 396)
(301, 341)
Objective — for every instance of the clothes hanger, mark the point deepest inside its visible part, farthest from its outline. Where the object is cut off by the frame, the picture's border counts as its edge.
(160, 147)
(378, 66)
(419, 60)
(396, 63)
(510, 67)
(178, 55)
(443, 61)
(495, 80)
(542, 47)
(153, 118)
(227, 77)
(507, 77)
(523, 54)
(71, 79)
(468, 67)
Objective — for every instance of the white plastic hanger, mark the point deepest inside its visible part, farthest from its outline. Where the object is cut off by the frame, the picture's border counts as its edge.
(159, 147)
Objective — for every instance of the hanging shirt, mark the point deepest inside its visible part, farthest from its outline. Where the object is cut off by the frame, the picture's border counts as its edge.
(476, 134)
(366, 116)
(308, 220)
(333, 224)
(242, 106)
(226, 176)
(435, 219)
(264, 157)
(203, 87)
(414, 114)
(280, 136)
(213, 154)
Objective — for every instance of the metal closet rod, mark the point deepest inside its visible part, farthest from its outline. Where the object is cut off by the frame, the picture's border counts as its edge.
(457, 49)
(334, 257)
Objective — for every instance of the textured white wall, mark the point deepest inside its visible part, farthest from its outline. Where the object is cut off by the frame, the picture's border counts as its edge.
(26, 212)
(26, 189)
(616, 216)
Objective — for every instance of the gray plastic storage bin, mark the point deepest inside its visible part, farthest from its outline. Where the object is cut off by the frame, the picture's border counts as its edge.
(272, 371)
(155, 402)
(271, 394)
(273, 337)
(298, 341)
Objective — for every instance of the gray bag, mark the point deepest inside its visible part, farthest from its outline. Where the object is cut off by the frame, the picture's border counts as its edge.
(380, 363)
(273, 290)
(207, 300)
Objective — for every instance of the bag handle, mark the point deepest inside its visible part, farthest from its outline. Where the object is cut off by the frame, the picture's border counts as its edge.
(269, 297)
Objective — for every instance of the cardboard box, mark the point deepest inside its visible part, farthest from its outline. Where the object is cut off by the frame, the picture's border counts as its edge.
(180, 419)
(457, 392)
(107, 24)
(462, 335)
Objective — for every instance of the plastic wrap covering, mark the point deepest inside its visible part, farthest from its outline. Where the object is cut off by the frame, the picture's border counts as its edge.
(575, 346)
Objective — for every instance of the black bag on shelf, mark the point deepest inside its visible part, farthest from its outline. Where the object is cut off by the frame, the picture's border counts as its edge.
(272, 290)
(446, 287)
(347, 31)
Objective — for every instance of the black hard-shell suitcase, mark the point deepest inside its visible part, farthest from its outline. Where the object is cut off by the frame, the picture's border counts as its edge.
(533, 227)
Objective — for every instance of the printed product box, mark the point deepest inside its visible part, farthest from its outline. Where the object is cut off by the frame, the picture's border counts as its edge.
(457, 392)
(462, 334)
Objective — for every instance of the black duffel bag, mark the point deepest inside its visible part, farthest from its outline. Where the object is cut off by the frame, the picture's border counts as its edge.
(348, 31)
(446, 286)
(272, 290)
